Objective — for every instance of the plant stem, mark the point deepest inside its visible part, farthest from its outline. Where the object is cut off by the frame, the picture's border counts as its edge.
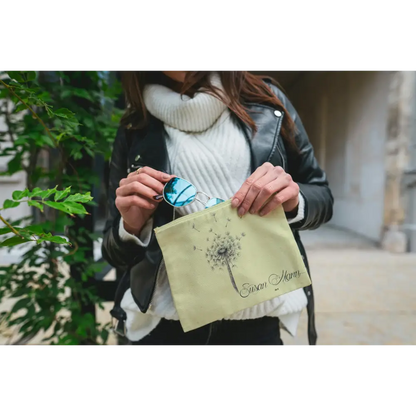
(10, 226)
(43, 125)
(33, 112)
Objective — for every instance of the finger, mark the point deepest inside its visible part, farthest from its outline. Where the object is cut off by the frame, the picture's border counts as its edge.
(278, 199)
(144, 179)
(136, 188)
(132, 177)
(125, 202)
(242, 192)
(254, 191)
(156, 174)
(267, 191)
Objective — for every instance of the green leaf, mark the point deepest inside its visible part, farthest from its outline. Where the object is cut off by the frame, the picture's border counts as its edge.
(75, 208)
(54, 239)
(88, 122)
(59, 240)
(89, 151)
(82, 93)
(30, 75)
(26, 234)
(58, 205)
(76, 154)
(22, 140)
(35, 229)
(20, 107)
(16, 75)
(8, 203)
(5, 230)
(95, 267)
(60, 136)
(79, 198)
(48, 192)
(65, 113)
(41, 139)
(104, 335)
(35, 192)
(62, 194)
(49, 141)
(15, 165)
(70, 125)
(26, 328)
(4, 93)
(66, 94)
(13, 241)
(21, 304)
(35, 204)
(18, 195)
(48, 109)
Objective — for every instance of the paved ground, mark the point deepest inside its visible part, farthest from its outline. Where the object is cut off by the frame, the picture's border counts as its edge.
(363, 295)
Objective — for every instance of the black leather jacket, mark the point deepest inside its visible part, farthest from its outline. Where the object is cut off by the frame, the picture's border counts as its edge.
(147, 147)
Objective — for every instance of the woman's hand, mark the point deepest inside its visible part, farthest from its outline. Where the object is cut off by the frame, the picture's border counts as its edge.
(135, 197)
(268, 187)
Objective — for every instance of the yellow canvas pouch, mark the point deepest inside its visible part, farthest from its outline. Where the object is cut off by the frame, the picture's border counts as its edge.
(218, 263)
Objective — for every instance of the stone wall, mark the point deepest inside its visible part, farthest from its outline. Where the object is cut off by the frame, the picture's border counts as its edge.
(398, 157)
(345, 115)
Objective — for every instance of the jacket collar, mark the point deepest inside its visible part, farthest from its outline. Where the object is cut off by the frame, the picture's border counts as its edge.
(264, 143)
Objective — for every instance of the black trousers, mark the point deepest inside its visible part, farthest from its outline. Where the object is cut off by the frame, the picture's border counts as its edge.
(262, 331)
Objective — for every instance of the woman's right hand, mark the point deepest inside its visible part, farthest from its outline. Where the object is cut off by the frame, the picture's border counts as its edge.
(135, 197)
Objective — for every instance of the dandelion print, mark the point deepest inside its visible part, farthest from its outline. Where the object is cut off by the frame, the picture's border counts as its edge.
(224, 252)
(213, 214)
(228, 220)
(194, 228)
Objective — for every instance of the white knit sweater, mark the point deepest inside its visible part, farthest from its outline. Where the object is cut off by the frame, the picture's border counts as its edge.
(208, 149)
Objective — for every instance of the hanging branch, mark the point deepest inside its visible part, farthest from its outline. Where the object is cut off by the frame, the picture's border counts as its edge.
(32, 111)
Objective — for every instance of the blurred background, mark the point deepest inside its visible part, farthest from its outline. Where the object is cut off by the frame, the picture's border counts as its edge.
(363, 263)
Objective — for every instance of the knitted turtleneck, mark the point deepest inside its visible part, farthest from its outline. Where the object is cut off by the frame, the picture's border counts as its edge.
(208, 149)
(204, 145)
(189, 115)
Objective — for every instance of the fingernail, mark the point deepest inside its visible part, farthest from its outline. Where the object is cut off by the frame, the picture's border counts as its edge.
(252, 211)
(241, 211)
(166, 177)
(235, 202)
(158, 197)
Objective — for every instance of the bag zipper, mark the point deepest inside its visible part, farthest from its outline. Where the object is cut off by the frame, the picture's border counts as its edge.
(194, 215)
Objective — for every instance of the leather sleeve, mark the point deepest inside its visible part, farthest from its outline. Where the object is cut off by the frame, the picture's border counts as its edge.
(305, 170)
(118, 253)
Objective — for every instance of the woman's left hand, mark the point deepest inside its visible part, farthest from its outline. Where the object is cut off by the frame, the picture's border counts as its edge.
(268, 187)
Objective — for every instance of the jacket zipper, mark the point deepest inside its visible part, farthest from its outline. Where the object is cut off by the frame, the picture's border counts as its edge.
(276, 144)
(283, 159)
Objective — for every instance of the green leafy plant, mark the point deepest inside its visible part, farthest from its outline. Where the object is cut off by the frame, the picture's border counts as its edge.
(57, 123)
(71, 205)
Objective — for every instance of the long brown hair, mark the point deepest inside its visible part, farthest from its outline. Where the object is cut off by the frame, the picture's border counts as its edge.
(240, 87)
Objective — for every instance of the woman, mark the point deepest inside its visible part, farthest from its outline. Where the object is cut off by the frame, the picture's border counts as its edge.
(232, 135)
